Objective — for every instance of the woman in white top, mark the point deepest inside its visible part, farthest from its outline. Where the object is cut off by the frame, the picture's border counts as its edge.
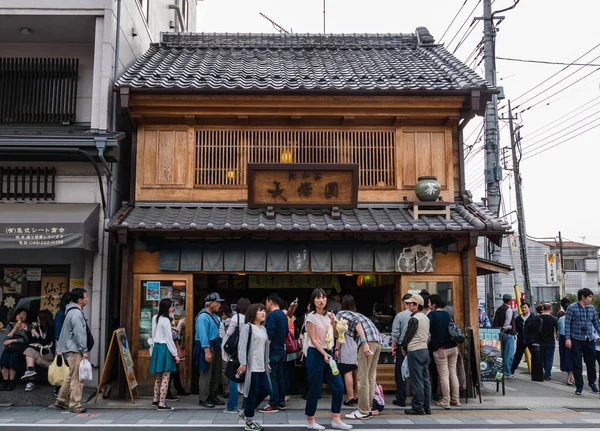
(237, 321)
(253, 354)
(319, 325)
(164, 353)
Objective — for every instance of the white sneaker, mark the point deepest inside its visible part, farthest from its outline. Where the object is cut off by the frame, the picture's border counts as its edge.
(29, 387)
(356, 414)
(314, 426)
(340, 426)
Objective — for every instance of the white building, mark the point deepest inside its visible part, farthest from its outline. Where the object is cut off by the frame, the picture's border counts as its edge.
(580, 269)
(64, 164)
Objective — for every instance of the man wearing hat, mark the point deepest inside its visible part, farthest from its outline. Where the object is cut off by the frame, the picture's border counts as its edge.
(207, 335)
(414, 347)
(504, 318)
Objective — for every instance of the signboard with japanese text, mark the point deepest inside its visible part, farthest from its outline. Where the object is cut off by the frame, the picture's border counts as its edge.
(302, 185)
(52, 290)
(551, 268)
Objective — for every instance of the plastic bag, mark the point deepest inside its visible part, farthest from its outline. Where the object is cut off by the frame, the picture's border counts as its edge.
(404, 369)
(85, 370)
(57, 371)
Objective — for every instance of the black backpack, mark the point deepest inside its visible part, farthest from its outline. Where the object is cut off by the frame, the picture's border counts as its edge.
(231, 346)
(88, 333)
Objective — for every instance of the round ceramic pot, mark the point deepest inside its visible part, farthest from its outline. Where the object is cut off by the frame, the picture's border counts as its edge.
(428, 189)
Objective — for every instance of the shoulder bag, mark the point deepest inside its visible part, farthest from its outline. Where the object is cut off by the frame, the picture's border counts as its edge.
(231, 345)
(456, 333)
(233, 363)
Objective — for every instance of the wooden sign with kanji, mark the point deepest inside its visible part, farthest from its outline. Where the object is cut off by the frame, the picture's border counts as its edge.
(302, 185)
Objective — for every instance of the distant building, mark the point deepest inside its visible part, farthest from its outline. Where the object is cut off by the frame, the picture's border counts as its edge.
(64, 152)
(580, 269)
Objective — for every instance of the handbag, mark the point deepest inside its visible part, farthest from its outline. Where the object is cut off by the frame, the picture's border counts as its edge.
(456, 333)
(231, 345)
(291, 344)
(15, 347)
(233, 363)
(404, 369)
(58, 371)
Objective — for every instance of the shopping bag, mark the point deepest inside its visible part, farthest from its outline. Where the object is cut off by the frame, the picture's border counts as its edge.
(57, 371)
(85, 370)
(404, 369)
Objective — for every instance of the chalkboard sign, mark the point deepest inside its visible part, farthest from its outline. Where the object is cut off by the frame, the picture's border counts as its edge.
(119, 343)
(490, 360)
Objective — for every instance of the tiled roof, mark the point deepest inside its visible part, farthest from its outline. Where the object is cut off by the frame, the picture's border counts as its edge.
(568, 244)
(347, 62)
(198, 217)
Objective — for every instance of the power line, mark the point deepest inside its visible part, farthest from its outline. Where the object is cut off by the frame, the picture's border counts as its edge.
(559, 121)
(535, 145)
(472, 27)
(464, 23)
(522, 60)
(560, 143)
(552, 76)
(453, 19)
(561, 124)
(556, 92)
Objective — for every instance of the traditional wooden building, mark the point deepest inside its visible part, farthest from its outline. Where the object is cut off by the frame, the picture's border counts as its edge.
(287, 162)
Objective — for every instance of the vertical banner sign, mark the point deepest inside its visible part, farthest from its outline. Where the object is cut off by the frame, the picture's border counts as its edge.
(490, 354)
(51, 291)
(551, 268)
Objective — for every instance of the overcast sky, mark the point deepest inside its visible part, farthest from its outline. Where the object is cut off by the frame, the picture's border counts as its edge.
(561, 183)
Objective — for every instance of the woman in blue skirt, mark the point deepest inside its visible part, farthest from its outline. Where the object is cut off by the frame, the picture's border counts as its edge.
(164, 353)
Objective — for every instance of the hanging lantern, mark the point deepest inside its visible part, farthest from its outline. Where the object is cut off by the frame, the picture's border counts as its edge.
(359, 280)
(368, 280)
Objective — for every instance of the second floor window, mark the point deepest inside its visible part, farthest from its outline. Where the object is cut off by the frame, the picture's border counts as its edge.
(574, 264)
(38, 90)
(223, 154)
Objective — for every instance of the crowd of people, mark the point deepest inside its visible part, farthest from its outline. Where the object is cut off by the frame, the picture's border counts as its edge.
(30, 348)
(338, 346)
(576, 328)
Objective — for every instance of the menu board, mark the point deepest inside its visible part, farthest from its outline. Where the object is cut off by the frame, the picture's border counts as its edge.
(490, 347)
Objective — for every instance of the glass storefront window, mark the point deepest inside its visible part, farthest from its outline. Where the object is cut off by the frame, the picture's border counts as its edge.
(34, 288)
(442, 288)
(151, 294)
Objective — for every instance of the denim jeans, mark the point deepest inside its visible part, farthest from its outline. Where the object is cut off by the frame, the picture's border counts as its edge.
(418, 368)
(400, 382)
(278, 370)
(232, 401)
(548, 358)
(586, 349)
(316, 367)
(508, 353)
(259, 389)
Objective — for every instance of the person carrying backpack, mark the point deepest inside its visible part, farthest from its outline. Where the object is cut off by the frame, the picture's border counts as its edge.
(75, 343)
(233, 332)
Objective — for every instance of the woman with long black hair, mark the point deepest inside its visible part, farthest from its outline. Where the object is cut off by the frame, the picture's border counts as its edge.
(164, 353)
(41, 347)
(320, 328)
(253, 354)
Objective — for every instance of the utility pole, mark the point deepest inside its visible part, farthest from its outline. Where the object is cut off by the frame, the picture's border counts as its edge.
(514, 141)
(493, 170)
(561, 266)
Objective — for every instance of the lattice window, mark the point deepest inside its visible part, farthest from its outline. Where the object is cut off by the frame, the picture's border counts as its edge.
(222, 154)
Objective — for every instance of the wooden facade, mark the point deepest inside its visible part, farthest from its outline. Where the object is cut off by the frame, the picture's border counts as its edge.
(194, 148)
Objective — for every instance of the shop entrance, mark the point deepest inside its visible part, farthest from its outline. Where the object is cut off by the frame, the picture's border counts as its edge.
(374, 295)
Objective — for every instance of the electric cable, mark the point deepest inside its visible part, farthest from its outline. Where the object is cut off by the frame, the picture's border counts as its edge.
(453, 19)
(464, 23)
(559, 143)
(522, 60)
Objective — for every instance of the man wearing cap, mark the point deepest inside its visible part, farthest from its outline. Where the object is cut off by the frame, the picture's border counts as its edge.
(398, 332)
(207, 334)
(414, 347)
(504, 318)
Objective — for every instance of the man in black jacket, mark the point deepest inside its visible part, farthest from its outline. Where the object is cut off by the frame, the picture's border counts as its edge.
(527, 328)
